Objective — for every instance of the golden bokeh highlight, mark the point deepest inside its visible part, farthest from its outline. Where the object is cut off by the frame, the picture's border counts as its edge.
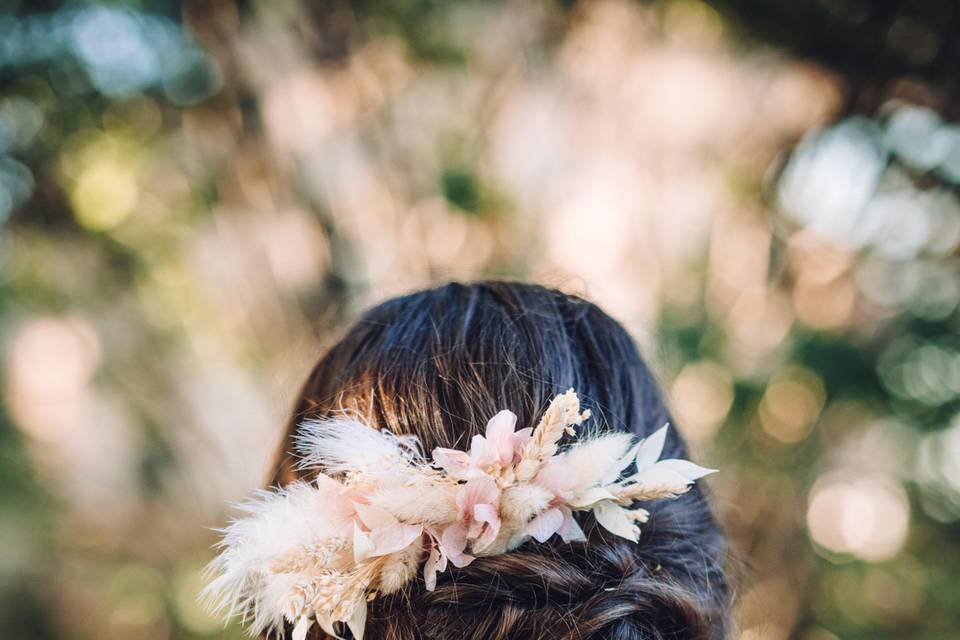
(791, 404)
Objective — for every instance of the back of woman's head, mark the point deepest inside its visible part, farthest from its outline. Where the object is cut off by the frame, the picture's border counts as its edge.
(437, 364)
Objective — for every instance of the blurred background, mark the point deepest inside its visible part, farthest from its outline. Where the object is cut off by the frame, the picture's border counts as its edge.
(194, 195)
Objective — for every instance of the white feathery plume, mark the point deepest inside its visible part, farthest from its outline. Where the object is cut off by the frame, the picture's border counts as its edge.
(272, 524)
(345, 445)
(594, 459)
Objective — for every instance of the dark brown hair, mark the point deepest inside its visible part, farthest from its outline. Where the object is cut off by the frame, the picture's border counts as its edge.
(438, 364)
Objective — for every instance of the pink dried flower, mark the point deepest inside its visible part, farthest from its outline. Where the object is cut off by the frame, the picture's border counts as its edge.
(499, 447)
(377, 533)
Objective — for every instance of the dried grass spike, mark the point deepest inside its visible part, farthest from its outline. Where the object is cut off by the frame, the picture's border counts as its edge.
(559, 419)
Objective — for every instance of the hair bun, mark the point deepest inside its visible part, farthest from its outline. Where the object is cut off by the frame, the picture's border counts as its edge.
(600, 590)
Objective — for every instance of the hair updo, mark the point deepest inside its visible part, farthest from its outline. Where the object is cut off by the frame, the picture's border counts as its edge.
(437, 364)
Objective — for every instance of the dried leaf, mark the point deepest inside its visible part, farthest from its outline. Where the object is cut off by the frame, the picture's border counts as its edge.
(615, 520)
(685, 468)
(358, 622)
(302, 627)
(362, 544)
(545, 525)
(591, 496)
(651, 448)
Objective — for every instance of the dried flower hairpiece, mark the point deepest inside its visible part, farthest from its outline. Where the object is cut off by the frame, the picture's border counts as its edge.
(319, 551)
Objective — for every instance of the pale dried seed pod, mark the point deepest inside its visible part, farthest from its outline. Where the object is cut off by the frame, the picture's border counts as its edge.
(308, 557)
(399, 568)
(293, 604)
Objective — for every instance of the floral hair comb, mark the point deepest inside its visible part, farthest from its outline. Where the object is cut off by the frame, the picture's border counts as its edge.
(378, 510)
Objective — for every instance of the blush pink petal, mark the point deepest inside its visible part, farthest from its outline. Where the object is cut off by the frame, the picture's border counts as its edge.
(478, 490)
(488, 517)
(436, 560)
(452, 543)
(545, 525)
(395, 538)
(450, 459)
(519, 439)
(570, 530)
(500, 436)
(430, 569)
(474, 529)
(337, 504)
(374, 518)
(442, 564)
(482, 452)
(486, 513)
